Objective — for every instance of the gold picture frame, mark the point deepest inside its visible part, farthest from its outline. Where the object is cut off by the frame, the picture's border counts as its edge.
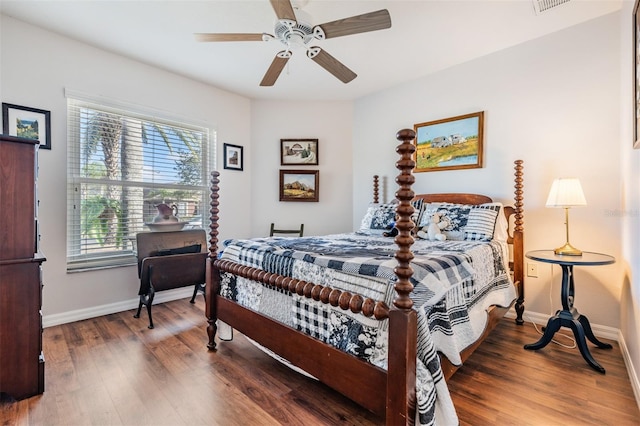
(449, 144)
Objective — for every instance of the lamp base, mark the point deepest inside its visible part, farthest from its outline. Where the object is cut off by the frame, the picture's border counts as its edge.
(568, 250)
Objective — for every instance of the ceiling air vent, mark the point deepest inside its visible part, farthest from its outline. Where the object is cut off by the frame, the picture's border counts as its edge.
(541, 6)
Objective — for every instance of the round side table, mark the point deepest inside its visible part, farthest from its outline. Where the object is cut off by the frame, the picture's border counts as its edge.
(569, 316)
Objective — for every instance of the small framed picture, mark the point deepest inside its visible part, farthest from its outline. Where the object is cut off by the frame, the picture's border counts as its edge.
(233, 157)
(298, 152)
(299, 185)
(26, 122)
(449, 144)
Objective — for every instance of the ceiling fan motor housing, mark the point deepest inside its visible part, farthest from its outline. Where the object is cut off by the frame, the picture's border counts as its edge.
(295, 33)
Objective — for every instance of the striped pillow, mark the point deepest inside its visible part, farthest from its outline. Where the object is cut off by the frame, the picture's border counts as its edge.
(419, 207)
(481, 223)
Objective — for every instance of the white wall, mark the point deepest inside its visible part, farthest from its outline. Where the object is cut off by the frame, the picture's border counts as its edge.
(630, 206)
(552, 102)
(36, 67)
(329, 122)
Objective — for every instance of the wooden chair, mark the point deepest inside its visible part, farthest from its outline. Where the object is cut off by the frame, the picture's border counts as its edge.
(298, 232)
(168, 260)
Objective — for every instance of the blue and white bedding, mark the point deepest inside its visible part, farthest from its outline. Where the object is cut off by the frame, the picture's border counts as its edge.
(454, 282)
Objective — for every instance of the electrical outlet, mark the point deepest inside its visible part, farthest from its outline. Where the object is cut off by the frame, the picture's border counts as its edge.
(532, 270)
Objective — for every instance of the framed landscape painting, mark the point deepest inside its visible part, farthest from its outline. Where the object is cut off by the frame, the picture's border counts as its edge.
(298, 152)
(449, 144)
(299, 185)
(26, 122)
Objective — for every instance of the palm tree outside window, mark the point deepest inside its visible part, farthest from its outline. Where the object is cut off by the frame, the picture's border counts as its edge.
(121, 165)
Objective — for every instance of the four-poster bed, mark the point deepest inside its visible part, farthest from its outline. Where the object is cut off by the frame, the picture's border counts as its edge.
(389, 392)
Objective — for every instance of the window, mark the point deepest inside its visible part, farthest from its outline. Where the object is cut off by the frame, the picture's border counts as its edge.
(121, 164)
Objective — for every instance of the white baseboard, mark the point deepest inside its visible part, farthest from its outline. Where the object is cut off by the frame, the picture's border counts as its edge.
(633, 373)
(112, 308)
(600, 331)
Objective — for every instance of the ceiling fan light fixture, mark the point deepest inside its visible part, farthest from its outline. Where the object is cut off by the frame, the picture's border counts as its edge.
(295, 40)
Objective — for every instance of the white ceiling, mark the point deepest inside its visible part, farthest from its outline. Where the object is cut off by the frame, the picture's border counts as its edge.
(426, 36)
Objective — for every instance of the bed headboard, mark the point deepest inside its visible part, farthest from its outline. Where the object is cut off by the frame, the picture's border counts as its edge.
(454, 198)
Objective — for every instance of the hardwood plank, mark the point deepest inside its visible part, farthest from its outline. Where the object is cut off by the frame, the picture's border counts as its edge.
(113, 370)
(551, 386)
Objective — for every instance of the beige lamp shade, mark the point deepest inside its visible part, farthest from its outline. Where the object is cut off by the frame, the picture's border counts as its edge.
(566, 192)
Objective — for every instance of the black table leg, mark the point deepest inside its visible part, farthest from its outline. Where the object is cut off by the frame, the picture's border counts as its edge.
(569, 317)
(589, 333)
(553, 325)
(579, 333)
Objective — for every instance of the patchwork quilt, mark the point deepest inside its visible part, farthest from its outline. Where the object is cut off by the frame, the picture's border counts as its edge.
(454, 282)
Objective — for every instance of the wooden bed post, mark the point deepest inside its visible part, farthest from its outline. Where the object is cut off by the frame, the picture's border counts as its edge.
(518, 237)
(213, 277)
(401, 377)
(376, 186)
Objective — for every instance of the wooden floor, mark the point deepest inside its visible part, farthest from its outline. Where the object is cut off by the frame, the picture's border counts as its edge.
(112, 370)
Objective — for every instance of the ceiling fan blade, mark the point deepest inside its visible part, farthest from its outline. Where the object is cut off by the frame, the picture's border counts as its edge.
(283, 9)
(331, 64)
(372, 21)
(275, 68)
(228, 37)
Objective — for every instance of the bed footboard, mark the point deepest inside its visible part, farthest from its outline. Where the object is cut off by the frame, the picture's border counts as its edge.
(343, 372)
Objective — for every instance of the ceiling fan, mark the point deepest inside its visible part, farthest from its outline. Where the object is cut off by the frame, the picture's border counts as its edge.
(293, 30)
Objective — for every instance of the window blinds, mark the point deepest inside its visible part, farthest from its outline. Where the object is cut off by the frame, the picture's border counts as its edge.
(120, 166)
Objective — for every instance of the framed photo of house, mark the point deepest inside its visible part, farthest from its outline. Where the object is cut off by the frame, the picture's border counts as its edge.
(233, 157)
(636, 76)
(450, 143)
(298, 152)
(26, 122)
(299, 185)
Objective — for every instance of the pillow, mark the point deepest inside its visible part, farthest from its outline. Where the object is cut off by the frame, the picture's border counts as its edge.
(481, 223)
(501, 231)
(377, 218)
(419, 207)
(456, 215)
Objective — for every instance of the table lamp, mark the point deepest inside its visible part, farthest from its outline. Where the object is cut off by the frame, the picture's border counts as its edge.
(566, 193)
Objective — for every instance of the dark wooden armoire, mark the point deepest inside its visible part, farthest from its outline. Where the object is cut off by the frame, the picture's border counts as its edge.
(21, 356)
